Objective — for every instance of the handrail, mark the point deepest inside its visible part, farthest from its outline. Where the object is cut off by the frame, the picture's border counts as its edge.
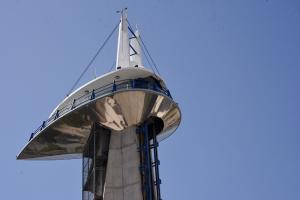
(101, 91)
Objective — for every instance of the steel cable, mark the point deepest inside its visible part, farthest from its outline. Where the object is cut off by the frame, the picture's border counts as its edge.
(92, 60)
(145, 50)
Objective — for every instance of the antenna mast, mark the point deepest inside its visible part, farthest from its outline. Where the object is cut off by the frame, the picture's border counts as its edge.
(123, 42)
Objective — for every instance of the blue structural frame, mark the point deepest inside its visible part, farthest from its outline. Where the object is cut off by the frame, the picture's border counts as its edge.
(156, 164)
(149, 163)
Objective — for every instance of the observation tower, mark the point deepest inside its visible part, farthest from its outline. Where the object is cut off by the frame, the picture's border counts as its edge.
(114, 123)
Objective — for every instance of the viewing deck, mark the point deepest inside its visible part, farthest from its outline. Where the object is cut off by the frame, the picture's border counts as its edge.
(117, 86)
(102, 105)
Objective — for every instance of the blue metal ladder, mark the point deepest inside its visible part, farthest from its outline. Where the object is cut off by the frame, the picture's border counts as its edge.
(149, 162)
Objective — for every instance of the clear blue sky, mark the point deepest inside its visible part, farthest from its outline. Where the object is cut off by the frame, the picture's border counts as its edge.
(233, 67)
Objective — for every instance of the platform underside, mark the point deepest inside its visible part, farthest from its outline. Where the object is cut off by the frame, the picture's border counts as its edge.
(66, 136)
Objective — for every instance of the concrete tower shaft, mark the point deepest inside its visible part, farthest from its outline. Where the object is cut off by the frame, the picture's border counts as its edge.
(122, 165)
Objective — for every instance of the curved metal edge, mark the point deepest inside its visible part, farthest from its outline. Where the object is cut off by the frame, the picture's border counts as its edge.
(162, 136)
(56, 157)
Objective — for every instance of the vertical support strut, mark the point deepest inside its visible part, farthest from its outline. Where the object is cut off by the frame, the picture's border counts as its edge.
(148, 166)
(156, 165)
(94, 163)
(149, 162)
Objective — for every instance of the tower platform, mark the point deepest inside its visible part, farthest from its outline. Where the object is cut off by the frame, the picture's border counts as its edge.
(116, 100)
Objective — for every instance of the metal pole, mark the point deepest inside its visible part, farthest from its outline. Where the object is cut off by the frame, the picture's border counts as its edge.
(94, 160)
(148, 162)
(156, 163)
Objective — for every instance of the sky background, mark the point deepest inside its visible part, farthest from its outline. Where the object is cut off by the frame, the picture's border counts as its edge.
(233, 67)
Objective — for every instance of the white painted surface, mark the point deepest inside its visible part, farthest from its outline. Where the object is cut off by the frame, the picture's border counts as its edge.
(122, 74)
(123, 42)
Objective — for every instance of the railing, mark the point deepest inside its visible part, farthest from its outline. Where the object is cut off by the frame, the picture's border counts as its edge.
(102, 91)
